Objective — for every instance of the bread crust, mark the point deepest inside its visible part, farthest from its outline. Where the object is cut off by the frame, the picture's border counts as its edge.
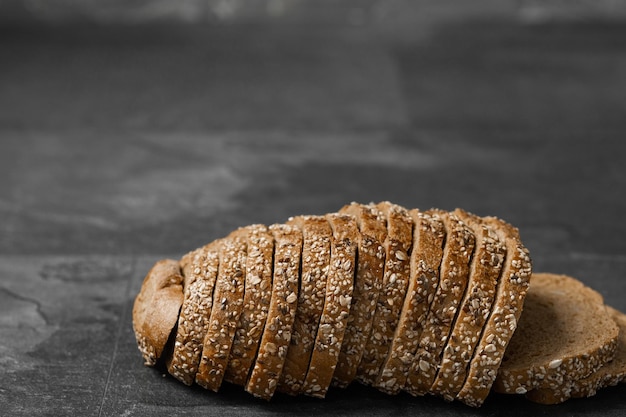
(270, 359)
(485, 269)
(368, 282)
(453, 279)
(257, 292)
(225, 312)
(339, 288)
(425, 260)
(200, 272)
(391, 298)
(316, 249)
(505, 313)
(156, 308)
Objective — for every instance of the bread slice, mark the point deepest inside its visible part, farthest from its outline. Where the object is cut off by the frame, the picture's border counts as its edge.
(505, 313)
(367, 284)
(225, 311)
(316, 235)
(391, 298)
(565, 334)
(334, 320)
(485, 269)
(611, 373)
(256, 301)
(453, 279)
(156, 307)
(200, 272)
(274, 344)
(425, 260)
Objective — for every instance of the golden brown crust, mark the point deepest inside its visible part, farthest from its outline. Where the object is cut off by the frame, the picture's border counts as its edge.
(502, 322)
(453, 279)
(391, 298)
(225, 311)
(565, 334)
(316, 248)
(485, 269)
(156, 307)
(426, 255)
(257, 292)
(339, 287)
(270, 359)
(368, 282)
(200, 271)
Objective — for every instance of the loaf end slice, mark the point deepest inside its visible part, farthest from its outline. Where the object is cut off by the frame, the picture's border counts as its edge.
(156, 308)
(564, 335)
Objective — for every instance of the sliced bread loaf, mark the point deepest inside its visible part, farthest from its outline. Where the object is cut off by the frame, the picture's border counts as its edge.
(565, 333)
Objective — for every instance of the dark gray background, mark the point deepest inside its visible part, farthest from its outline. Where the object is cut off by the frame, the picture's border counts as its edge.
(126, 138)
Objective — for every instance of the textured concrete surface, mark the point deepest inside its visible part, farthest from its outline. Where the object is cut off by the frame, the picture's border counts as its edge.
(120, 145)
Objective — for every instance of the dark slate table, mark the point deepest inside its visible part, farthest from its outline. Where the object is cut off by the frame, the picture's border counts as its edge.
(121, 145)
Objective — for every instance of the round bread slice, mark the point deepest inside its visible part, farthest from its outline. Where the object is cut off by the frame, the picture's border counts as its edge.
(502, 322)
(256, 301)
(453, 279)
(565, 333)
(339, 288)
(425, 260)
(270, 359)
(391, 298)
(474, 310)
(225, 311)
(316, 239)
(200, 271)
(610, 374)
(156, 307)
(367, 284)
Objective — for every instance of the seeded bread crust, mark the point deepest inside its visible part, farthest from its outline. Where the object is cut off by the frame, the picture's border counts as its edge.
(505, 313)
(225, 312)
(453, 279)
(257, 292)
(270, 359)
(425, 260)
(474, 310)
(156, 307)
(317, 236)
(368, 282)
(339, 288)
(570, 316)
(610, 374)
(200, 272)
(391, 298)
